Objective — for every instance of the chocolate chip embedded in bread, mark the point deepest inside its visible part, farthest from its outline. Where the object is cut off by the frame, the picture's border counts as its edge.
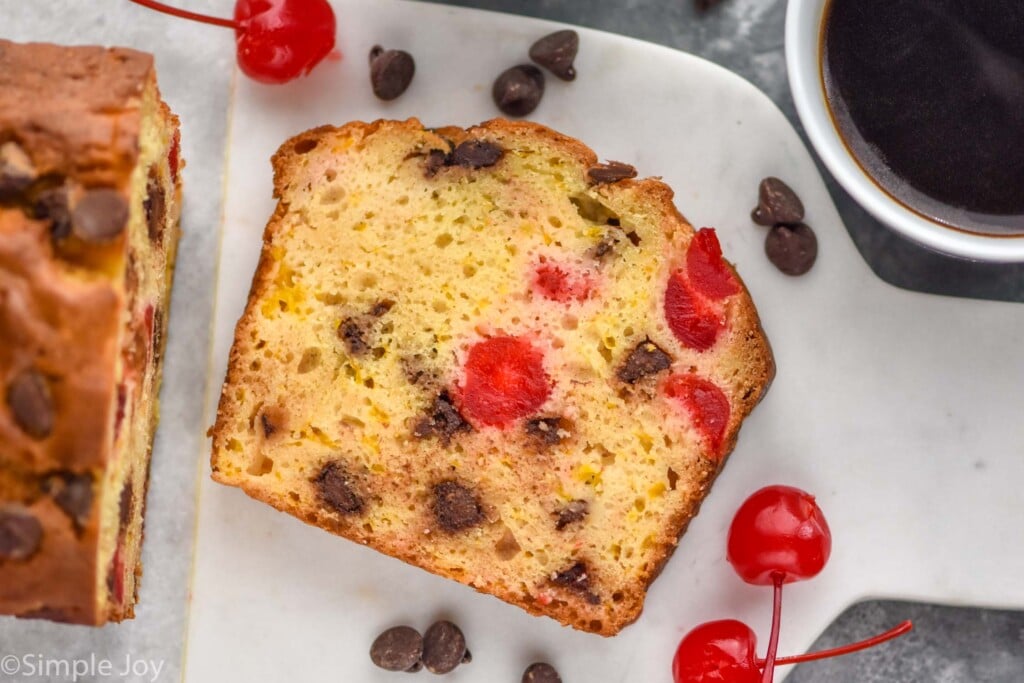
(31, 404)
(455, 506)
(444, 647)
(20, 533)
(518, 90)
(545, 429)
(381, 307)
(777, 203)
(73, 494)
(556, 52)
(792, 249)
(397, 649)
(391, 72)
(268, 427)
(53, 205)
(155, 206)
(574, 512)
(646, 359)
(436, 160)
(611, 172)
(354, 336)
(338, 489)
(126, 504)
(16, 170)
(476, 154)
(443, 420)
(541, 672)
(576, 578)
(99, 216)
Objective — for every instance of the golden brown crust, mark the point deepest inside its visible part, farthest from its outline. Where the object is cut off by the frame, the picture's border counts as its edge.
(751, 354)
(75, 115)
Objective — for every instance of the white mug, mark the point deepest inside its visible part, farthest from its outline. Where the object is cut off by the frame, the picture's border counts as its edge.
(803, 62)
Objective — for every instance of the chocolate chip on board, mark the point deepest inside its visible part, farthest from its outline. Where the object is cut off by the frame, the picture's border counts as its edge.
(398, 649)
(646, 359)
(455, 506)
(541, 672)
(792, 249)
(556, 52)
(100, 215)
(20, 533)
(31, 404)
(611, 172)
(518, 90)
(476, 154)
(391, 72)
(444, 647)
(337, 489)
(777, 203)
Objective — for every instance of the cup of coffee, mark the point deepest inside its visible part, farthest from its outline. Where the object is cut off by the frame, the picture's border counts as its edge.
(917, 109)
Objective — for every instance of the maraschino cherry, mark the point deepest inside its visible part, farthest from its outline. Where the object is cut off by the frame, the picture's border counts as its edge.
(277, 40)
(779, 535)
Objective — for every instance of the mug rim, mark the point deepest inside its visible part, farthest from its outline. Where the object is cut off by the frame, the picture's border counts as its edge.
(803, 55)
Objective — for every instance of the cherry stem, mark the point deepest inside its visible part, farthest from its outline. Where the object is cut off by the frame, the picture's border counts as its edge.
(185, 14)
(773, 641)
(903, 627)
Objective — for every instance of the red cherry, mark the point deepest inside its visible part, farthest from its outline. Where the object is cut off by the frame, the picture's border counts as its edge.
(781, 532)
(174, 156)
(707, 271)
(277, 40)
(559, 283)
(717, 652)
(694, 320)
(504, 381)
(706, 404)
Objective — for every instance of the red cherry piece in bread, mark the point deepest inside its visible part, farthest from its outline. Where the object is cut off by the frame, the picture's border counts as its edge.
(708, 273)
(705, 403)
(694, 320)
(559, 283)
(279, 40)
(504, 381)
(717, 652)
(174, 156)
(778, 531)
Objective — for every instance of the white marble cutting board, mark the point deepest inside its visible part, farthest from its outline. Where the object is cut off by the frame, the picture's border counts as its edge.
(900, 411)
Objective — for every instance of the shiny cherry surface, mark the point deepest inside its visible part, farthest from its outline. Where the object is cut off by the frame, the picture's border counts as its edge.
(279, 40)
(779, 531)
(717, 652)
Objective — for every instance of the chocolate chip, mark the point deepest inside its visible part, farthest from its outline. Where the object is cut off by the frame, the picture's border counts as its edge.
(610, 172)
(73, 494)
(100, 215)
(793, 249)
(476, 154)
(576, 578)
(571, 513)
(354, 336)
(777, 203)
(268, 427)
(391, 72)
(337, 489)
(633, 238)
(155, 206)
(31, 404)
(381, 307)
(541, 672)
(52, 205)
(556, 52)
(443, 420)
(20, 533)
(455, 506)
(127, 503)
(397, 649)
(436, 160)
(604, 247)
(467, 658)
(646, 359)
(517, 91)
(16, 170)
(545, 429)
(444, 647)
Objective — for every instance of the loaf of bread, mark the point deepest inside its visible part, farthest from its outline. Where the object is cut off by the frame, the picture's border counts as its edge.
(486, 354)
(89, 205)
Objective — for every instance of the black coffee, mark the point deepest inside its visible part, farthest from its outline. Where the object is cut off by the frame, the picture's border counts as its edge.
(929, 97)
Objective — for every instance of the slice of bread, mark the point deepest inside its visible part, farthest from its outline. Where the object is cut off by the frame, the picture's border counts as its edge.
(90, 194)
(484, 353)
